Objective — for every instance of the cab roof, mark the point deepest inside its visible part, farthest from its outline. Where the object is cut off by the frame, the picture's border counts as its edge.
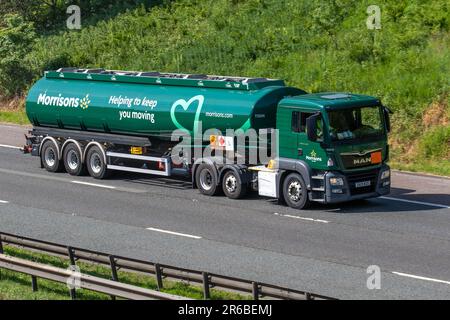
(330, 100)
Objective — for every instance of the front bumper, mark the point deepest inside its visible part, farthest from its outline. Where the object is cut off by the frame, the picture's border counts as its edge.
(351, 189)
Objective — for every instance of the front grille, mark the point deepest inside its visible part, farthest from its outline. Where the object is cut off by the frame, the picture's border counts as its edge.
(354, 178)
(355, 160)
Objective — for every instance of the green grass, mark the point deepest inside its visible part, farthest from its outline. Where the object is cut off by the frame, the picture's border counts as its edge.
(441, 168)
(14, 117)
(16, 286)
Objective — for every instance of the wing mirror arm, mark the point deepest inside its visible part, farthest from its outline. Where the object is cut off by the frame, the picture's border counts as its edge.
(387, 111)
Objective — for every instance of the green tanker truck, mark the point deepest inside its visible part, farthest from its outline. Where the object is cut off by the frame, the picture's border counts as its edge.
(323, 147)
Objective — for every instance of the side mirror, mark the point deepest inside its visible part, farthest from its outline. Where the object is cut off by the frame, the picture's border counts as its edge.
(311, 127)
(387, 118)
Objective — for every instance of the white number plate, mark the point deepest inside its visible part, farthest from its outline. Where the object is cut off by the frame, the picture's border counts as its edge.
(362, 184)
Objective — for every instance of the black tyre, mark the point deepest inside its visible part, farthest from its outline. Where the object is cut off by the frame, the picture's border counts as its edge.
(206, 180)
(95, 163)
(73, 160)
(232, 187)
(50, 157)
(294, 191)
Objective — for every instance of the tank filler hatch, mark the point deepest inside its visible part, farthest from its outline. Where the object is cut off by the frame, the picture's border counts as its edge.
(168, 79)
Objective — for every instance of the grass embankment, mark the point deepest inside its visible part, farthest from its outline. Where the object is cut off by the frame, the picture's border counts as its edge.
(14, 117)
(13, 111)
(17, 286)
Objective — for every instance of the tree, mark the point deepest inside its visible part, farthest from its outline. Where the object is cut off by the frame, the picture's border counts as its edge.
(16, 40)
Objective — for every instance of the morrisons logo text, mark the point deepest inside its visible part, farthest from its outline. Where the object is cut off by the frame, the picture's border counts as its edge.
(58, 101)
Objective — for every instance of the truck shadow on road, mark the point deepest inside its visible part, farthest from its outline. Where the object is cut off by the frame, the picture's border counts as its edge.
(376, 205)
(380, 205)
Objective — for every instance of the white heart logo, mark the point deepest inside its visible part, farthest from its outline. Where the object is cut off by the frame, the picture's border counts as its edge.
(185, 105)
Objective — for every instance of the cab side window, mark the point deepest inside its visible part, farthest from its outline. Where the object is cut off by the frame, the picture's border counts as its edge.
(299, 121)
(296, 121)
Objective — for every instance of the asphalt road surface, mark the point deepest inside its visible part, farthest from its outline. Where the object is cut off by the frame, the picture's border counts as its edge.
(325, 250)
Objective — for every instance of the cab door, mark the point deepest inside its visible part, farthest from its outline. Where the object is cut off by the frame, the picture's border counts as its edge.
(304, 146)
(287, 123)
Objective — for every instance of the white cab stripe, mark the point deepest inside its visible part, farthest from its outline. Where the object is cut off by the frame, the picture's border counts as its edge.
(93, 185)
(420, 277)
(4, 202)
(301, 218)
(417, 202)
(174, 233)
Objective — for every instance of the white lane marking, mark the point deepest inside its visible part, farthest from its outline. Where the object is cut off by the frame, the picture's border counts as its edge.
(301, 218)
(420, 278)
(4, 202)
(175, 233)
(93, 185)
(417, 202)
(10, 147)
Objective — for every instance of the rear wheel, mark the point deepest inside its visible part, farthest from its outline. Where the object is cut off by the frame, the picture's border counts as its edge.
(73, 160)
(295, 192)
(95, 163)
(232, 187)
(50, 157)
(206, 180)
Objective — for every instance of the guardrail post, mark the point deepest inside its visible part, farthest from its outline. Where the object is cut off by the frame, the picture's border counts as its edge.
(206, 293)
(255, 290)
(158, 274)
(73, 292)
(115, 277)
(34, 285)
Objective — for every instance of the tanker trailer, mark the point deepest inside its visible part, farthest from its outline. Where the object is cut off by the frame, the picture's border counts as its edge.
(96, 121)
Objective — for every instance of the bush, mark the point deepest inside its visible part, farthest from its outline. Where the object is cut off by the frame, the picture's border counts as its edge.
(435, 144)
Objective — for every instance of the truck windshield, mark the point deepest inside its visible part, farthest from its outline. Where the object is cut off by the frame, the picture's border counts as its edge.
(356, 123)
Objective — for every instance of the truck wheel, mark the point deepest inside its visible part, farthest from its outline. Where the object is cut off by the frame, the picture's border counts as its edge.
(295, 192)
(231, 186)
(73, 160)
(206, 180)
(50, 157)
(95, 163)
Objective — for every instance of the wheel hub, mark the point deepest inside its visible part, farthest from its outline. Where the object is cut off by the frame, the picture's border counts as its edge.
(206, 180)
(295, 191)
(50, 157)
(96, 164)
(231, 183)
(73, 161)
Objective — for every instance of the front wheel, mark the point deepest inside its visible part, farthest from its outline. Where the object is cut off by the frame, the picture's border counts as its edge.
(295, 192)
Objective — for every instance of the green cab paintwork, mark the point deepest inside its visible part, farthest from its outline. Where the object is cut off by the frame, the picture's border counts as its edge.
(295, 145)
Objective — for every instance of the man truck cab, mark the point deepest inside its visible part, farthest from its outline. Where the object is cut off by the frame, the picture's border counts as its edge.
(337, 144)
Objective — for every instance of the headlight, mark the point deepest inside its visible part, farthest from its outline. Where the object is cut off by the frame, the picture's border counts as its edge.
(336, 181)
(385, 174)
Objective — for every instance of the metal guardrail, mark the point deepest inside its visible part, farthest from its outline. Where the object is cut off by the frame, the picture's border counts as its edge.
(110, 287)
(207, 280)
